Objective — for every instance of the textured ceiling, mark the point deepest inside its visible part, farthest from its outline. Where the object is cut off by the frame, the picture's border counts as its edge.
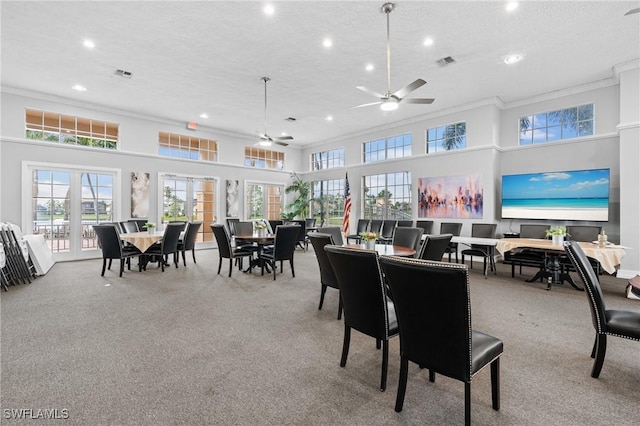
(193, 57)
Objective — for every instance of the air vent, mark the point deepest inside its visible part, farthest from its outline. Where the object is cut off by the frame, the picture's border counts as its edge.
(123, 73)
(291, 119)
(445, 61)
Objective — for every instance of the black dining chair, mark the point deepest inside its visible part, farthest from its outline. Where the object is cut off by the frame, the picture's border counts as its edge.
(625, 324)
(584, 233)
(427, 225)
(386, 231)
(527, 257)
(225, 250)
(405, 223)
(376, 226)
(284, 246)
(454, 229)
(487, 252)
(434, 247)
(407, 237)
(142, 223)
(301, 240)
(188, 241)
(128, 227)
(362, 226)
(367, 307)
(433, 305)
(112, 247)
(327, 275)
(335, 232)
(168, 245)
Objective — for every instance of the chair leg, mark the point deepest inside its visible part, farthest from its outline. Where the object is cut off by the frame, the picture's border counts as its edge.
(293, 271)
(109, 267)
(602, 350)
(184, 260)
(378, 343)
(345, 345)
(402, 383)
(467, 404)
(495, 384)
(220, 265)
(340, 306)
(230, 265)
(595, 347)
(274, 269)
(121, 266)
(385, 365)
(322, 291)
(193, 254)
(432, 376)
(104, 266)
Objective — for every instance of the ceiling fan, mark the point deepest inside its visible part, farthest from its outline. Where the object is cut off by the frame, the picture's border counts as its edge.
(390, 100)
(265, 139)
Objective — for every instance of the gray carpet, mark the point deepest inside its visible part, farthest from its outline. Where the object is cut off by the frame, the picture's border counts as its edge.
(190, 347)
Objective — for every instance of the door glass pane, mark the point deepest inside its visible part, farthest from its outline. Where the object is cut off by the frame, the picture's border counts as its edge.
(51, 210)
(96, 205)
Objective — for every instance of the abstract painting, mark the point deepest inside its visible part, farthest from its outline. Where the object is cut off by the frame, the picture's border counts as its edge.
(139, 195)
(233, 188)
(459, 197)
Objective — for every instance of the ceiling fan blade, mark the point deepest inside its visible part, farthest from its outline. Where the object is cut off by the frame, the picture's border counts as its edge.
(281, 143)
(409, 88)
(632, 11)
(417, 100)
(283, 138)
(371, 92)
(365, 105)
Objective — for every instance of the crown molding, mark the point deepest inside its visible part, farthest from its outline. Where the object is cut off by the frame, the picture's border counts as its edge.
(625, 66)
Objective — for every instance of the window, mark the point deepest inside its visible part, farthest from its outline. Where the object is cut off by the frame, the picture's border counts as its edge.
(387, 149)
(387, 196)
(447, 138)
(263, 201)
(190, 199)
(328, 201)
(263, 158)
(181, 146)
(327, 159)
(557, 125)
(71, 130)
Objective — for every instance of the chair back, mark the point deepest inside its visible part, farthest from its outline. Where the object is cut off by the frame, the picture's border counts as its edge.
(405, 223)
(583, 233)
(274, 224)
(231, 224)
(434, 311)
(482, 230)
(388, 228)
(310, 222)
(434, 247)
(223, 239)
(375, 226)
(190, 235)
(327, 275)
(452, 228)
(128, 227)
(302, 230)
(427, 225)
(109, 240)
(284, 243)
(171, 237)
(142, 223)
(243, 228)
(534, 231)
(335, 232)
(362, 226)
(407, 237)
(588, 276)
(364, 295)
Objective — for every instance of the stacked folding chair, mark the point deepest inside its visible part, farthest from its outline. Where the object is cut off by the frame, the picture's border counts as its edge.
(17, 268)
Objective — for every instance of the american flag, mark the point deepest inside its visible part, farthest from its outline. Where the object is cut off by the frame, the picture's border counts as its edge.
(347, 205)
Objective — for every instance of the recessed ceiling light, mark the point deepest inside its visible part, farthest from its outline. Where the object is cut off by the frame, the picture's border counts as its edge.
(88, 44)
(511, 6)
(428, 41)
(268, 9)
(512, 59)
(283, 134)
(79, 88)
(204, 115)
(329, 118)
(369, 67)
(327, 42)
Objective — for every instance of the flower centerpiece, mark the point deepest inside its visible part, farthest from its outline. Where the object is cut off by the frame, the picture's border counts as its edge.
(260, 227)
(150, 227)
(369, 239)
(557, 234)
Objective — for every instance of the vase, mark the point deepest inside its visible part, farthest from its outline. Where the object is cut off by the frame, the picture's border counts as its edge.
(370, 244)
(557, 240)
(150, 230)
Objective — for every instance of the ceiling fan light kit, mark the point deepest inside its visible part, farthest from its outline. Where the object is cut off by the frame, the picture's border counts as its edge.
(265, 139)
(390, 100)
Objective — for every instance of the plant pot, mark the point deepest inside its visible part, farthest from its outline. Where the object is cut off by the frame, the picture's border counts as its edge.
(150, 230)
(370, 244)
(557, 240)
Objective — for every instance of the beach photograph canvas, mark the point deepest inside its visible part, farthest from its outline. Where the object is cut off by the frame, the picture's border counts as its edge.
(458, 197)
(566, 195)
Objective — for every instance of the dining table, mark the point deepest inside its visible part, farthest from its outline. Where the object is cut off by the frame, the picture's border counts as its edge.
(609, 257)
(261, 240)
(385, 249)
(142, 240)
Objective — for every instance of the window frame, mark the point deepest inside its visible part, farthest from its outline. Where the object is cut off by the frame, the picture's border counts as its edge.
(547, 122)
(390, 181)
(328, 159)
(383, 147)
(438, 143)
(187, 147)
(324, 188)
(263, 158)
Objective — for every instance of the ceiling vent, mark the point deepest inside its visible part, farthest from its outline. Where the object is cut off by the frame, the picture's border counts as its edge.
(291, 119)
(123, 73)
(445, 61)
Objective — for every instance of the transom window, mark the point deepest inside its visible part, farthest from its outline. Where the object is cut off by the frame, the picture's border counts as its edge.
(447, 138)
(327, 159)
(263, 158)
(556, 125)
(182, 146)
(69, 129)
(328, 201)
(387, 196)
(387, 149)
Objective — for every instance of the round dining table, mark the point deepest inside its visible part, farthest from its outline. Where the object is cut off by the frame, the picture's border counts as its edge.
(385, 249)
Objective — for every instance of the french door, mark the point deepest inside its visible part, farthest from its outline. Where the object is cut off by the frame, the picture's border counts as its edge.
(61, 203)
